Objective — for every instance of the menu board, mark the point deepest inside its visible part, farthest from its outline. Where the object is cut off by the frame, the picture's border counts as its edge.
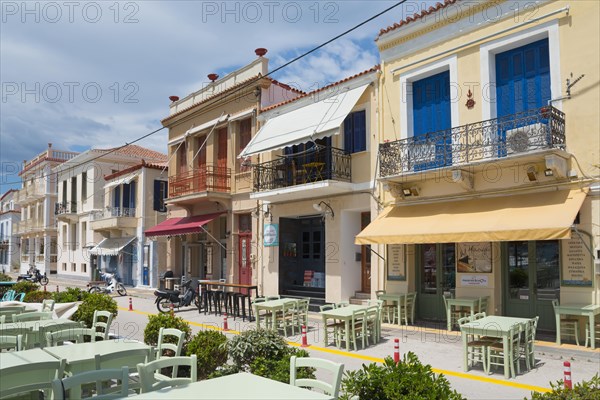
(396, 267)
(576, 263)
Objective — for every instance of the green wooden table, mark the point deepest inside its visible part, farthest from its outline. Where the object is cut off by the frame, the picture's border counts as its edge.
(35, 330)
(398, 299)
(471, 302)
(586, 310)
(492, 326)
(340, 314)
(240, 386)
(272, 306)
(26, 357)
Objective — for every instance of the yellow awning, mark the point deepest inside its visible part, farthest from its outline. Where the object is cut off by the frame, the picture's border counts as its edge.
(534, 216)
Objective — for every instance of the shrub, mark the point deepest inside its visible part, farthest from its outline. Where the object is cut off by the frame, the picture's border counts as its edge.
(408, 379)
(249, 345)
(37, 296)
(209, 347)
(4, 277)
(91, 303)
(155, 322)
(584, 390)
(25, 287)
(70, 295)
(279, 370)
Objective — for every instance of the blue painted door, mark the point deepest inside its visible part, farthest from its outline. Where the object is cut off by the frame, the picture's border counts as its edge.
(522, 86)
(431, 122)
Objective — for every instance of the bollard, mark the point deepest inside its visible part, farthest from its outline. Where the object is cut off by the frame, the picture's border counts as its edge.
(44, 288)
(130, 305)
(304, 339)
(56, 288)
(172, 311)
(567, 380)
(396, 350)
(225, 326)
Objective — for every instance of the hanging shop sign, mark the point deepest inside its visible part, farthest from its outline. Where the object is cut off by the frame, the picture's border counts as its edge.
(271, 235)
(396, 267)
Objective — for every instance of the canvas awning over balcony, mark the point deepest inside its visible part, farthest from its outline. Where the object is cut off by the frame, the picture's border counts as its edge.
(533, 216)
(314, 121)
(111, 246)
(181, 226)
(122, 180)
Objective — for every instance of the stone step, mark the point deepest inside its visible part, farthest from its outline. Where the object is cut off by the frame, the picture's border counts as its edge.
(358, 302)
(362, 295)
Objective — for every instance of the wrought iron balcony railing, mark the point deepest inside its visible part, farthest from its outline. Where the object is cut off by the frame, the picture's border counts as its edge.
(68, 207)
(210, 178)
(525, 132)
(323, 163)
(113, 212)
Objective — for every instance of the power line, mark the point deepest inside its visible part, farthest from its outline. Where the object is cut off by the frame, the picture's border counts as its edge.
(226, 95)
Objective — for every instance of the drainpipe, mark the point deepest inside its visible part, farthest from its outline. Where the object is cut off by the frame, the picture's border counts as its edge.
(142, 229)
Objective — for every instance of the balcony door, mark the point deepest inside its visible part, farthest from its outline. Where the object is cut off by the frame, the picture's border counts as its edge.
(431, 122)
(522, 84)
(201, 163)
(221, 170)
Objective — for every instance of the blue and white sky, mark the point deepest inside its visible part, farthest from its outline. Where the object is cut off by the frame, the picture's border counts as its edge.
(84, 74)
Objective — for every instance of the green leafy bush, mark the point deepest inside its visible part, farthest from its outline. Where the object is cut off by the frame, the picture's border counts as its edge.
(37, 296)
(91, 303)
(586, 390)
(249, 345)
(209, 347)
(409, 379)
(25, 287)
(4, 277)
(70, 295)
(4, 289)
(155, 322)
(279, 370)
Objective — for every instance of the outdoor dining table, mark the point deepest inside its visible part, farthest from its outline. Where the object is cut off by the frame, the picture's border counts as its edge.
(340, 314)
(589, 310)
(398, 299)
(491, 326)
(240, 386)
(272, 306)
(471, 302)
(32, 329)
(26, 357)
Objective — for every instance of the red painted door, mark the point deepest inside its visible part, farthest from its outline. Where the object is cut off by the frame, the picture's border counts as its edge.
(201, 164)
(245, 266)
(221, 170)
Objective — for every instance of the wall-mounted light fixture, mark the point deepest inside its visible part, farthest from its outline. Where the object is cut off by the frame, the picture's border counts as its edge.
(411, 191)
(532, 174)
(324, 208)
(548, 172)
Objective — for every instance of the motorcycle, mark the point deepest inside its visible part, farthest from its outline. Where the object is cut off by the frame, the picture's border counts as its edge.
(34, 275)
(112, 284)
(165, 299)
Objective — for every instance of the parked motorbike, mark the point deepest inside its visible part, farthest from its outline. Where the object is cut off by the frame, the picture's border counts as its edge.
(34, 275)
(165, 299)
(112, 284)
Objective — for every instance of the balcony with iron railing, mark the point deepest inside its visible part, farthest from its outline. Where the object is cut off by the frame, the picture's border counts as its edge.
(200, 181)
(491, 140)
(68, 207)
(113, 218)
(319, 168)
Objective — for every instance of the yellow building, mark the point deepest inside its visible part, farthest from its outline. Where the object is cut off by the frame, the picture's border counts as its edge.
(489, 148)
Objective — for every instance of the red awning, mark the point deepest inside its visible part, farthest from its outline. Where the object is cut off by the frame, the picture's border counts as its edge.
(181, 226)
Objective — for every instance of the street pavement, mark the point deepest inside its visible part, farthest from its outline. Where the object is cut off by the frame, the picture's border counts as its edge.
(437, 347)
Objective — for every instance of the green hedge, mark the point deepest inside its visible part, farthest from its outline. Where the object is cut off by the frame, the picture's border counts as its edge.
(91, 303)
(211, 351)
(586, 390)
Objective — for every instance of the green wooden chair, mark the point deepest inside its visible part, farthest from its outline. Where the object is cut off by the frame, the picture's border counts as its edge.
(37, 376)
(302, 313)
(588, 333)
(8, 342)
(48, 305)
(151, 379)
(73, 335)
(264, 316)
(130, 358)
(32, 316)
(9, 295)
(329, 388)
(286, 318)
(356, 331)
(101, 324)
(110, 384)
(483, 304)
(476, 347)
(372, 326)
(528, 343)
(496, 355)
(568, 326)
(408, 309)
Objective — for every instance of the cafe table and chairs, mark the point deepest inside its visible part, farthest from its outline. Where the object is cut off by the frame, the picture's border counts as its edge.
(491, 327)
(586, 310)
(460, 303)
(240, 386)
(393, 305)
(272, 308)
(28, 370)
(344, 315)
(34, 332)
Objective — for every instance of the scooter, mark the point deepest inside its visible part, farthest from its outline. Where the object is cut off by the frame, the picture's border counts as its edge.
(165, 299)
(34, 275)
(112, 284)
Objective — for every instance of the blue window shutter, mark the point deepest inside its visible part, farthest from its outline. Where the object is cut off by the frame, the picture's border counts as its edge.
(360, 131)
(126, 194)
(117, 197)
(132, 195)
(157, 194)
(348, 134)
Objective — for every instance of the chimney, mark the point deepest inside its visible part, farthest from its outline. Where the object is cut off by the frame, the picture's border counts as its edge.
(174, 98)
(261, 51)
(213, 77)
(49, 145)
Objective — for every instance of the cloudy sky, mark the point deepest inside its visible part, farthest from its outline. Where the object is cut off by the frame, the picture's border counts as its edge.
(99, 73)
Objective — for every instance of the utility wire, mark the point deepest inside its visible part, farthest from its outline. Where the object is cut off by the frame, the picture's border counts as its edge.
(226, 95)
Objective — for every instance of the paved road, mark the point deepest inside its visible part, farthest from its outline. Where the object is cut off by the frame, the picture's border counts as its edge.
(441, 349)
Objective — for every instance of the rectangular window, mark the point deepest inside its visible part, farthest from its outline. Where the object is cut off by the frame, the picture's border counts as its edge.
(63, 185)
(84, 186)
(73, 236)
(355, 132)
(160, 194)
(83, 233)
(74, 189)
(73, 267)
(64, 266)
(84, 267)
(65, 238)
(117, 197)
(245, 135)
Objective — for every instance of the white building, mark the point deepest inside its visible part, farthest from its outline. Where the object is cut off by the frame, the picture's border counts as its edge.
(10, 215)
(91, 225)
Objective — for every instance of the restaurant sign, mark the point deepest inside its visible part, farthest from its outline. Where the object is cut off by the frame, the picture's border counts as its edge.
(474, 280)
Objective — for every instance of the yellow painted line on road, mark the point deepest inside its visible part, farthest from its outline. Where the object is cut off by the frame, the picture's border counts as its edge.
(344, 353)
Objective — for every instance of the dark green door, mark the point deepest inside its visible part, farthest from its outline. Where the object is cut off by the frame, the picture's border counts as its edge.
(532, 273)
(436, 274)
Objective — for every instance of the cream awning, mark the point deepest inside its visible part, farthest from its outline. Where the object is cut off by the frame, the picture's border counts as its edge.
(111, 246)
(311, 122)
(533, 216)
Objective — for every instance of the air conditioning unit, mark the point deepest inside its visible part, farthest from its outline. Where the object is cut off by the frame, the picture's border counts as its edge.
(526, 138)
